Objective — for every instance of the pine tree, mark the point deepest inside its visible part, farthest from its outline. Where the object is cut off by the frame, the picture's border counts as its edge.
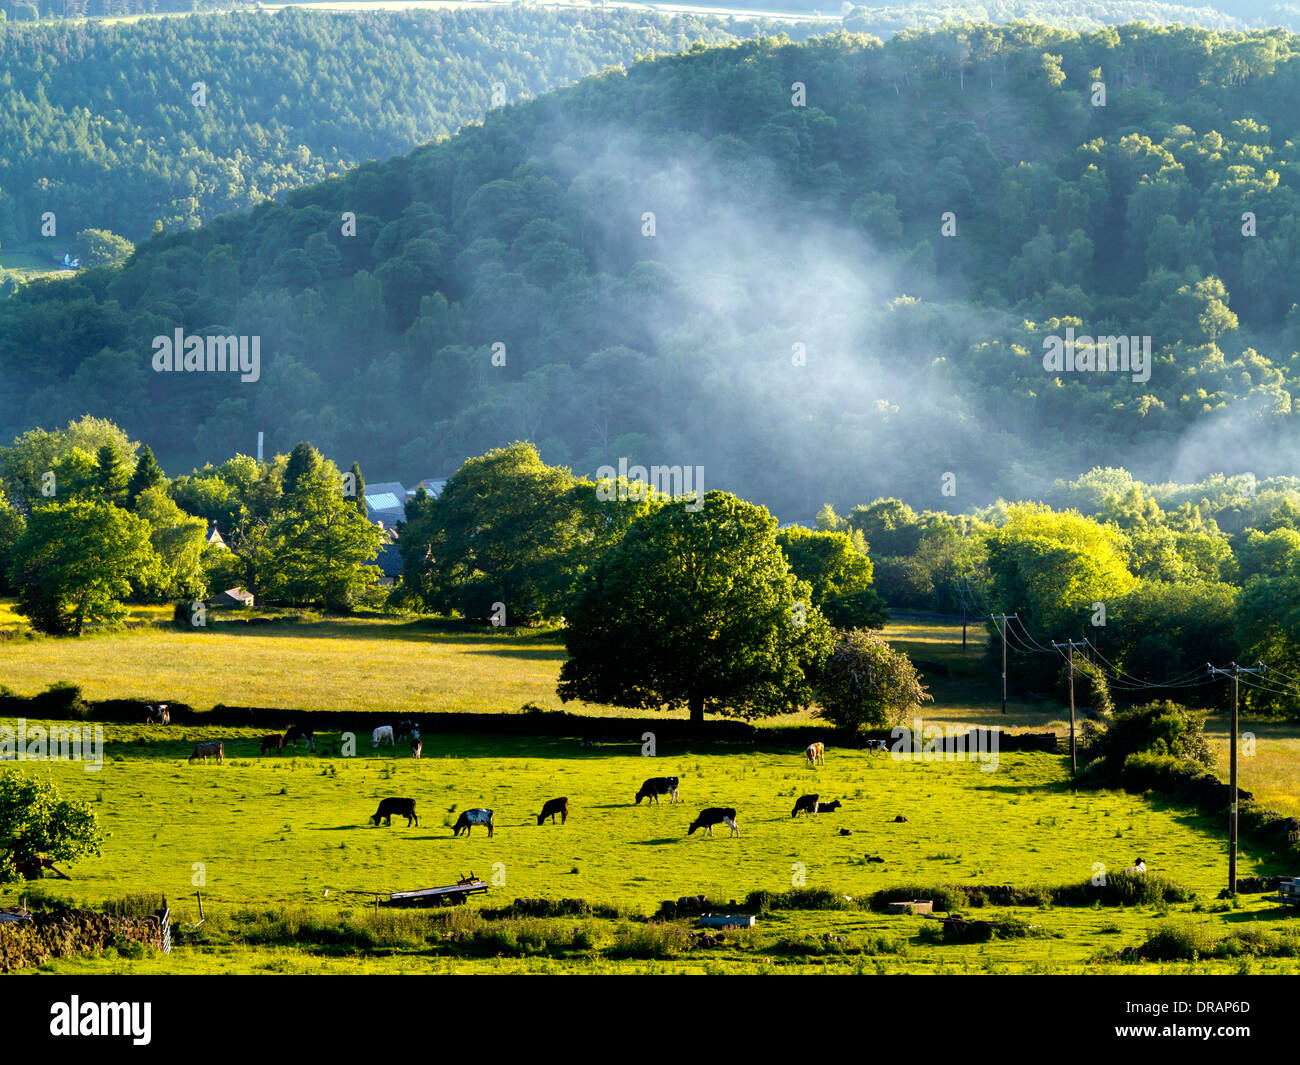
(147, 474)
(110, 476)
(360, 483)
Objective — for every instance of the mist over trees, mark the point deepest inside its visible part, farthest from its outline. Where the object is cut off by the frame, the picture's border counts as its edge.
(503, 284)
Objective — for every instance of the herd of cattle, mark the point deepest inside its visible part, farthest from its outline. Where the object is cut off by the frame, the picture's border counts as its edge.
(650, 790)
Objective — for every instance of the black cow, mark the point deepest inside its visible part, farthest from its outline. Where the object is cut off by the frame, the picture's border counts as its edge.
(656, 786)
(300, 732)
(715, 815)
(804, 804)
(553, 807)
(400, 807)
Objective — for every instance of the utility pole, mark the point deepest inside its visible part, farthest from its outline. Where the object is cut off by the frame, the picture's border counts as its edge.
(1234, 671)
(965, 593)
(1004, 655)
(963, 618)
(1070, 645)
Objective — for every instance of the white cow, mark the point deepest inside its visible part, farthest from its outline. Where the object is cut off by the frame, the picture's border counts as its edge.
(383, 732)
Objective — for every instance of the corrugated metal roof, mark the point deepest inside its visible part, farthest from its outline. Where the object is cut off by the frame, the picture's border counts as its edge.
(383, 501)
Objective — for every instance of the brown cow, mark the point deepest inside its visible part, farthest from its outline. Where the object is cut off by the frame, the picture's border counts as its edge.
(274, 743)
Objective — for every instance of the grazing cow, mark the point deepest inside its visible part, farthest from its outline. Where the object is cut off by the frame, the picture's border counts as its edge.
(157, 715)
(816, 753)
(216, 749)
(900, 819)
(715, 815)
(478, 817)
(656, 786)
(383, 732)
(400, 807)
(417, 747)
(274, 742)
(877, 745)
(1138, 866)
(553, 807)
(300, 732)
(407, 727)
(804, 804)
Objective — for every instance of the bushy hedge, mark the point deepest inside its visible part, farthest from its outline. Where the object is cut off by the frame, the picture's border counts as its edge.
(800, 898)
(1187, 940)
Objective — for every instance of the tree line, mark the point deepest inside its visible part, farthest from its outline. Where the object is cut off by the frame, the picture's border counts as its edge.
(1159, 579)
(713, 607)
(101, 126)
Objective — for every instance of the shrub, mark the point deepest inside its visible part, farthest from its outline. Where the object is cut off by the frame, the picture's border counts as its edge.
(61, 701)
(1122, 889)
(1158, 728)
(649, 940)
(800, 898)
(144, 904)
(1181, 941)
(868, 684)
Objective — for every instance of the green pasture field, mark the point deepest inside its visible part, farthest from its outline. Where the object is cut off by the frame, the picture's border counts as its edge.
(29, 266)
(283, 840)
(278, 833)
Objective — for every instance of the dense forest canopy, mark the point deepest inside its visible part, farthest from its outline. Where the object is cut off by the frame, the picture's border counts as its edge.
(100, 126)
(680, 264)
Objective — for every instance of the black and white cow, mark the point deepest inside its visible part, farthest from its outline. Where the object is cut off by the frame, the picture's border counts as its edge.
(469, 818)
(656, 786)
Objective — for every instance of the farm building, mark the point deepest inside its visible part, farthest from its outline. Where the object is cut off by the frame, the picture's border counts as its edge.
(231, 597)
(432, 485)
(386, 502)
(389, 560)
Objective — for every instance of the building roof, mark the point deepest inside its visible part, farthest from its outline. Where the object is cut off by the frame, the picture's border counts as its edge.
(389, 560)
(386, 502)
(432, 485)
(232, 597)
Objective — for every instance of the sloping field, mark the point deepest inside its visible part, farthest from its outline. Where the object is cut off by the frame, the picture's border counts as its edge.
(281, 832)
